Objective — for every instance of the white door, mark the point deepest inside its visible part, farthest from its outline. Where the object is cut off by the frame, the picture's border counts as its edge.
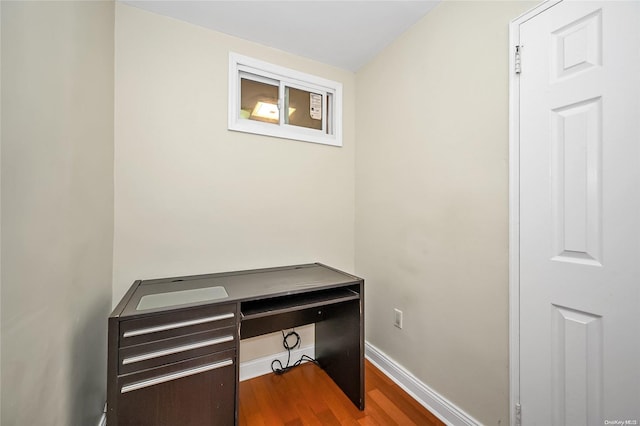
(579, 218)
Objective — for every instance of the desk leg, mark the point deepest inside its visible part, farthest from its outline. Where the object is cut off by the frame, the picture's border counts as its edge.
(339, 348)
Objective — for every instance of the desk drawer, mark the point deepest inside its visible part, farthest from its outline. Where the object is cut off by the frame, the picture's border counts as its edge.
(178, 323)
(196, 392)
(154, 354)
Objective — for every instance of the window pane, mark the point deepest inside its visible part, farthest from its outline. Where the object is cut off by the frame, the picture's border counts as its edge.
(259, 101)
(305, 108)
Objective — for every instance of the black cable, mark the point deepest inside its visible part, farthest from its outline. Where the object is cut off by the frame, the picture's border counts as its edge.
(289, 348)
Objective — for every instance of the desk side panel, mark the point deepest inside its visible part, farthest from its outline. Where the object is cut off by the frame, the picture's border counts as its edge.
(339, 347)
(113, 344)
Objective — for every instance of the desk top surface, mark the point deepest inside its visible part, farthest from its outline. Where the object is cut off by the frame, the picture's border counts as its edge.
(166, 294)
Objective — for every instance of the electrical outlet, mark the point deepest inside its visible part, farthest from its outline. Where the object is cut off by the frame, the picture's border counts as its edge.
(397, 320)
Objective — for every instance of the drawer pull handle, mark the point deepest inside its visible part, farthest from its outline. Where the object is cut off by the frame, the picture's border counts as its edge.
(171, 326)
(177, 349)
(175, 376)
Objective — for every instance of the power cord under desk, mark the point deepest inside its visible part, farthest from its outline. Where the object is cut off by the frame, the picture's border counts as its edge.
(285, 342)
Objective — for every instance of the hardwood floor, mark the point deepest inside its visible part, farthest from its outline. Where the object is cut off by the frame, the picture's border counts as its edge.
(307, 396)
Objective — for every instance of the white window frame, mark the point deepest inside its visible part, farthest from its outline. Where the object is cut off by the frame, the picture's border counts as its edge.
(239, 64)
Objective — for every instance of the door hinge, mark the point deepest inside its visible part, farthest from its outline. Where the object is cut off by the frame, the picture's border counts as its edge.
(518, 64)
(518, 415)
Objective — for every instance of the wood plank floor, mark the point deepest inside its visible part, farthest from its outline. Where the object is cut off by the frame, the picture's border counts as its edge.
(307, 396)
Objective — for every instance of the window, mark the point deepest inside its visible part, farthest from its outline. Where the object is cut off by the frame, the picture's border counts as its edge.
(275, 101)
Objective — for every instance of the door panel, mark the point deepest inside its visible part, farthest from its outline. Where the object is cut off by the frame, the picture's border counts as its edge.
(576, 181)
(576, 366)
(579, 214)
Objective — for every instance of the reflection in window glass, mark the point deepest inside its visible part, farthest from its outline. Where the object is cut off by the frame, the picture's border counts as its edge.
(259, 101)
(305, 108)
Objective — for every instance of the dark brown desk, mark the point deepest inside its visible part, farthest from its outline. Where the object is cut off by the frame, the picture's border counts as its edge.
(174, 342)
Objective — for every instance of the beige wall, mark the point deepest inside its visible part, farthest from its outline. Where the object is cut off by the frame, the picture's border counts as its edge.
(432, 202)
(57, 209)
(192, 197)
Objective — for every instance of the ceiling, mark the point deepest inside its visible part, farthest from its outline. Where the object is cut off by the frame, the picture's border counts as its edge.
(346, 34)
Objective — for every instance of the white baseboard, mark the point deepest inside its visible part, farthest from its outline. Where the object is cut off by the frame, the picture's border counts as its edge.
(444, 409)
(260, 366)
(103, 420)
